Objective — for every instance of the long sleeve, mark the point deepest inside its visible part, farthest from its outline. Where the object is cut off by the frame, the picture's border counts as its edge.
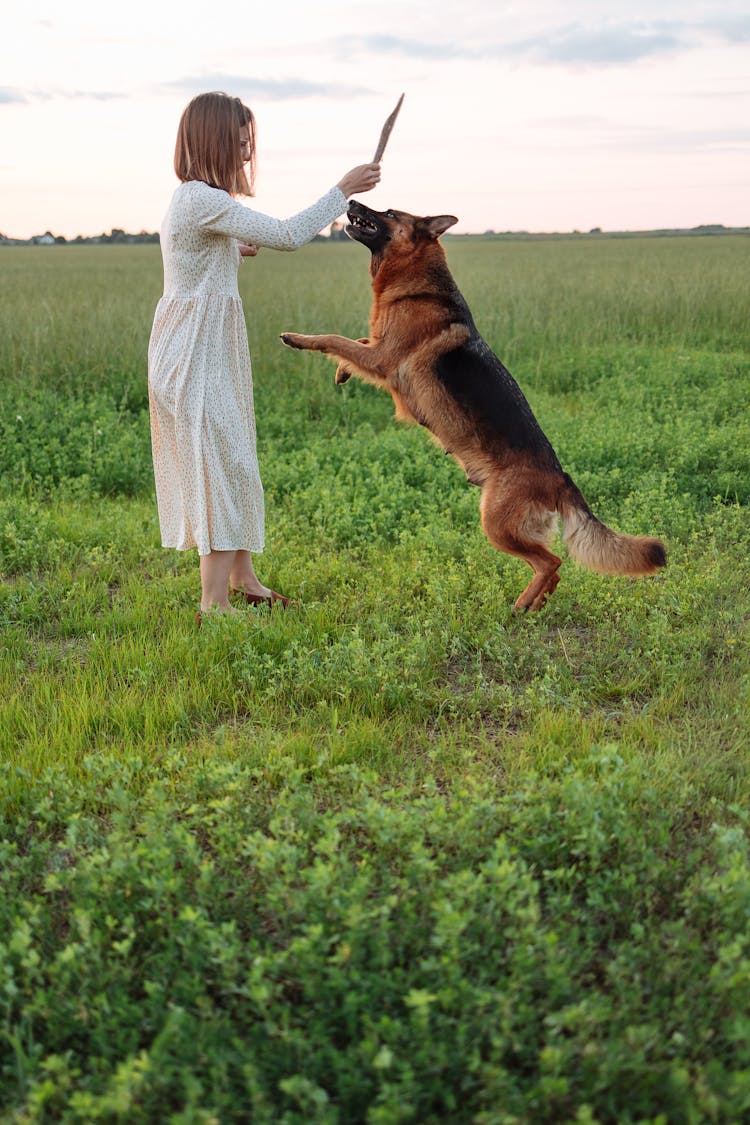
(218, 212)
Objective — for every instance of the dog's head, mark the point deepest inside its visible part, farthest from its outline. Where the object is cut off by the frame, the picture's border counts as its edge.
(393, 232)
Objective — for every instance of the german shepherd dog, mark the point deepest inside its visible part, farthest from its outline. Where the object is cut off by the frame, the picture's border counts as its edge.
(425, 350)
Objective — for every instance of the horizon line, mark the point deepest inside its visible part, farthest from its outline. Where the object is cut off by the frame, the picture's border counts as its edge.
(118, 234)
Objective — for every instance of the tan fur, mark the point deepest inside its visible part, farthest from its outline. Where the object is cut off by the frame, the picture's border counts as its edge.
(424, 350)
(597, 547)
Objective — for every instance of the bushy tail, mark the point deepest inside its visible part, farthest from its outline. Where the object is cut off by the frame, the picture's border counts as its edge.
(596, 546)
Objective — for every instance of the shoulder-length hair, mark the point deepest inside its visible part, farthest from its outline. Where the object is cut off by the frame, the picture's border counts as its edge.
(208, 144)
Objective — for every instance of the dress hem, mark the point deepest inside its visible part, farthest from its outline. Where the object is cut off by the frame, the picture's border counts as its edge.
(194, 547)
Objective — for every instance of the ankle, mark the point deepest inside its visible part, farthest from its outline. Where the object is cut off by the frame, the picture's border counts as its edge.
(214, 605)
(252, 585)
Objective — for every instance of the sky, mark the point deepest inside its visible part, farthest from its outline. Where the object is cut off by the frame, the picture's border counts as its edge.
(559, 115)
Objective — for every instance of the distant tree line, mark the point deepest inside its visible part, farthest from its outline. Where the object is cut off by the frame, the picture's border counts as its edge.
(116, 236)
(338, 234)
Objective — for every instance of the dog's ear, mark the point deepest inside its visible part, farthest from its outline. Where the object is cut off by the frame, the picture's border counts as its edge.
(438, 224)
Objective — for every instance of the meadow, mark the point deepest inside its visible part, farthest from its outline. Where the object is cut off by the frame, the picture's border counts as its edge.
(395, 855)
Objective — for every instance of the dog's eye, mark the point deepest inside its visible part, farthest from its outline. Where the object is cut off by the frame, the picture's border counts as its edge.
(390, 215)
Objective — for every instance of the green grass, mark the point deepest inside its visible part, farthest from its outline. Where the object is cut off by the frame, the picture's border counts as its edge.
(395, 855)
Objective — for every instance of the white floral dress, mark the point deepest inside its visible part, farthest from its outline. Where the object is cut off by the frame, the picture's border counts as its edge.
(208, 488)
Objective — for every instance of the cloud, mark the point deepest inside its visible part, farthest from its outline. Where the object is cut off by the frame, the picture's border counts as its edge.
(262, 88)
(11, 95)
(16, 96)
(604, 43)
(575, 43)
(276, 89)
(92, 95)
(616, 44)
(346, 46)
(730, 28)
(681, 141)
(588, 132)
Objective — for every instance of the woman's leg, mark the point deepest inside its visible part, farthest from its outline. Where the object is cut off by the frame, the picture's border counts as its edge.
(215, 570)
(242, 575)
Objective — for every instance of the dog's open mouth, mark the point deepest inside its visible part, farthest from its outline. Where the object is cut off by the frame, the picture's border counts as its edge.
(361, 225)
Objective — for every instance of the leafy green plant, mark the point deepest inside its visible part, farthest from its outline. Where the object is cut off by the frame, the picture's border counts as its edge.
(310, 947)
(395, 854)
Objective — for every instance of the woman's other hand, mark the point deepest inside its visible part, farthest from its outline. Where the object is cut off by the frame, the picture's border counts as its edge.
(362, 178)
(248, 249)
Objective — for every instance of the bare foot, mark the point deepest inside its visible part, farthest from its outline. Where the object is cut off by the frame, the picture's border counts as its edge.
(259, 595)
(216, 611)
(250, 586)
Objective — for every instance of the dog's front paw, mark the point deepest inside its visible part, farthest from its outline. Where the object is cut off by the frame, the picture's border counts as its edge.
(293, 340)
(343, 375)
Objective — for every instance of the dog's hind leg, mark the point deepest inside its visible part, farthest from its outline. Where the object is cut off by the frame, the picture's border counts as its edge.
(545, 578)
(523, 529)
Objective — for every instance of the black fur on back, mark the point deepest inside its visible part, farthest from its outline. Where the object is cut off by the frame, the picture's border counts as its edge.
(481, 385)
(486, 391)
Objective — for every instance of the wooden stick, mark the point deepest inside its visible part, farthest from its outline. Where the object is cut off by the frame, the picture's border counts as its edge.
(385, 134)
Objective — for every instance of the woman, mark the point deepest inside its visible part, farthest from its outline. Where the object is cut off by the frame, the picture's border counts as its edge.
(208, 487)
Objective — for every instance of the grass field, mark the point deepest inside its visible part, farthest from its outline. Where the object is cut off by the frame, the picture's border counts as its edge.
(395, 855)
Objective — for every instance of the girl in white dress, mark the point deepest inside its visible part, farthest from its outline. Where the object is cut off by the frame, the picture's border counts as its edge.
(208, 487)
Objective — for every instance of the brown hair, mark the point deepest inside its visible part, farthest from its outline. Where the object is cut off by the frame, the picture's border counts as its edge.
(208, 143)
